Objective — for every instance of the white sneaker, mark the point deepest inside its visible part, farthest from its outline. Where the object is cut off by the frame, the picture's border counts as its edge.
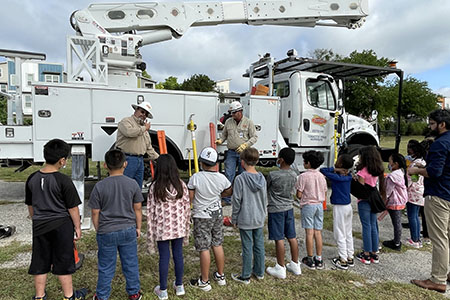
(413, 244)
(220, 279)
(179, 289)
(294, 268)
(277, 271)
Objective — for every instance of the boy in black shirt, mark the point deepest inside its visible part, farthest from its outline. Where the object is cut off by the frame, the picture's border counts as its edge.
(53, 206)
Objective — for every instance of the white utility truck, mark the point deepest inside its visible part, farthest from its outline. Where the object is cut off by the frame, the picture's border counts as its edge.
(103, 63)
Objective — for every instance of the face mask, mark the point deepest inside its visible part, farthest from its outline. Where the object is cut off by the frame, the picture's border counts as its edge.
(278, 165)
(390, 168)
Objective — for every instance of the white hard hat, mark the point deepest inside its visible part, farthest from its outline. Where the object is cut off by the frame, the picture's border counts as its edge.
(208, 156)
(145, 106)
(235, 106)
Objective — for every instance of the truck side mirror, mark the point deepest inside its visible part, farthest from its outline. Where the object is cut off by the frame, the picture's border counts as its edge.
(374, 114)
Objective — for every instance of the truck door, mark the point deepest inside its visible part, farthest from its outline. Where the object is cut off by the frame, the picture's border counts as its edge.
(317, 118)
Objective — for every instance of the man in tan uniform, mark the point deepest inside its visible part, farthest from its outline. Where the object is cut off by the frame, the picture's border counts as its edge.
(133, 139)
(240, 133)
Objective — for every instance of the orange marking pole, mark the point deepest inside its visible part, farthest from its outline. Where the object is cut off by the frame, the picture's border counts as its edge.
(161, 134)
(212, 140)
(162, 141)
(324, 204)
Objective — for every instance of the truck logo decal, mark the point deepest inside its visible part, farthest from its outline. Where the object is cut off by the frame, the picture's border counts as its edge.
(318, 120)
(78, 135)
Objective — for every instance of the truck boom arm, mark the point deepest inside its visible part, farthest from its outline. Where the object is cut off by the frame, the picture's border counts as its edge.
(163, 20)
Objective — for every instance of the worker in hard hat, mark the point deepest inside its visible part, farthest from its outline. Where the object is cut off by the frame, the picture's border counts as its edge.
(240, 133)
(133, 139)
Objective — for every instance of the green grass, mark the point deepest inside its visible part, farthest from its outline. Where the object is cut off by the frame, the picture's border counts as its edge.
(389, 142)
(9, 174)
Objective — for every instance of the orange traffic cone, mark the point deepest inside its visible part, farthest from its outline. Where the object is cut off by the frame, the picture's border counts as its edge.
(79, 257)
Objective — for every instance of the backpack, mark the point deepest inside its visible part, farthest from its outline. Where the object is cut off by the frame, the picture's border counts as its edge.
(369, 194)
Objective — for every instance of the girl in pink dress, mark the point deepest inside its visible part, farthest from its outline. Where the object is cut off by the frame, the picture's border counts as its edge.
(168, 222)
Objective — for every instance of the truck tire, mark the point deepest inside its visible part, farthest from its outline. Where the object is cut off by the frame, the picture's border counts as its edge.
(353, 151)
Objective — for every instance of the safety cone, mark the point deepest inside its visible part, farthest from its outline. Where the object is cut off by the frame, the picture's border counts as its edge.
(79, 257)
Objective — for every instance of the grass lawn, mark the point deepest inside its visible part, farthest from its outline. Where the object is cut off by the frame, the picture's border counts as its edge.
(310, 285)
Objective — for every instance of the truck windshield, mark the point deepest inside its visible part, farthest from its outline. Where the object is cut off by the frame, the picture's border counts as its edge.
(320, 95)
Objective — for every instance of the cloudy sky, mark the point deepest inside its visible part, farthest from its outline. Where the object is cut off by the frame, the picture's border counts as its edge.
(413, 32)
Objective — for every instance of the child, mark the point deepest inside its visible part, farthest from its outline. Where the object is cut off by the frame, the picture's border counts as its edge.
(53, 201)
(311, 189)
(342, 210)
(396, 197)
(205, 191)
(249, 204)
(116, 214)
(415, 193)
(280, 185)
(370, 169)
(168, 222)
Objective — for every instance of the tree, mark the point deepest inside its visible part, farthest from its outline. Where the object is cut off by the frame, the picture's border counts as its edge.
(146, 75)
(367, 94)
(171, 83)
(199, 83)
(417, 98)
(325, 54)
(3, 110)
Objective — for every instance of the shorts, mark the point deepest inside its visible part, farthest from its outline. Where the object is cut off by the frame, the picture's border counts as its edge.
(281, 225)
(208, 232)
(312, 216)
(53, 251)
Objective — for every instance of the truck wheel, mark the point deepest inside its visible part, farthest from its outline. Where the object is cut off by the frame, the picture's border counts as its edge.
(353, 151)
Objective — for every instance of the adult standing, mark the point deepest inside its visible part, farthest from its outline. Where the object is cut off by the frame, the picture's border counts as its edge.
(241, 134)
(133, 139)
(437, 199)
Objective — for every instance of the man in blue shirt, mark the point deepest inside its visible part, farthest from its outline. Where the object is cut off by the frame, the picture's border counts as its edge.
(437, 199)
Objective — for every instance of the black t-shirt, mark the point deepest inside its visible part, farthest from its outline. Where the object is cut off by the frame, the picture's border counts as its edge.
(51, 195)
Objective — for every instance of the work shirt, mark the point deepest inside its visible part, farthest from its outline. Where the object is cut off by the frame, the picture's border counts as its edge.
(133, 138)
(238, 134)
(438, 168)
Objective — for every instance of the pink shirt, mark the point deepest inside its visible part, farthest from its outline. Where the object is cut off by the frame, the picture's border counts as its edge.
(368, 178)
(396, 193)
(416, 189)
(167, 220)
(313, 186)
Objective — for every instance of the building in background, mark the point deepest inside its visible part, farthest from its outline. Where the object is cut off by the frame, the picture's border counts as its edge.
(3, 76)
(32, 71)
(223, 86)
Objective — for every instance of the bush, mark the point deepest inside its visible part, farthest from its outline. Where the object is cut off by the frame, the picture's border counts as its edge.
(416, 128)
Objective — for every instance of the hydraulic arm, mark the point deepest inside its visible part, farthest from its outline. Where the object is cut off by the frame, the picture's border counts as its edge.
(122, 28)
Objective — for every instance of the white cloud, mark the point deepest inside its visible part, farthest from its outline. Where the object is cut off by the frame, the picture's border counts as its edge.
(445, 91)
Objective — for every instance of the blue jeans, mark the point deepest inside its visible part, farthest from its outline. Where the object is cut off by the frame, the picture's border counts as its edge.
(413, 219)
(252, 251)
(369, 227)
(164, 258)
(135, 169)
(232, 160)
(125, 242)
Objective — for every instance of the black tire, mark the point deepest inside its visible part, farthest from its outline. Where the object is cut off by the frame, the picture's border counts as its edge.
(353, 151)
